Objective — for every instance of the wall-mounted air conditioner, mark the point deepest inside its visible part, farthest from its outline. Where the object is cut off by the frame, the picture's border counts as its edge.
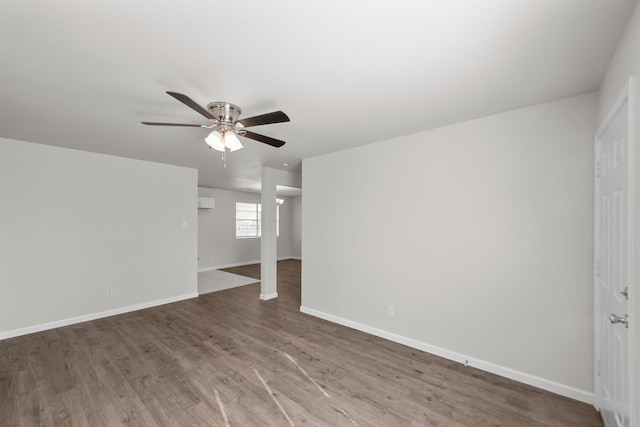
(206, 202)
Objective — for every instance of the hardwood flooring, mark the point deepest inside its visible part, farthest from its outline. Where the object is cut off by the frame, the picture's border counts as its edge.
(230, 359)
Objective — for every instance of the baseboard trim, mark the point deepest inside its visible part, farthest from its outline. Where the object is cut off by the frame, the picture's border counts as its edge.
(93, 316)
(240, 264)
(235, 264)
(552, 386)
(266, 297)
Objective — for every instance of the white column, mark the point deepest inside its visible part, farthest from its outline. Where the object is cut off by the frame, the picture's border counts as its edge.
(268, 241)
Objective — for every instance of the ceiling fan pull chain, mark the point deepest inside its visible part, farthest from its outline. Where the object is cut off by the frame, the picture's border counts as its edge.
(224, 158)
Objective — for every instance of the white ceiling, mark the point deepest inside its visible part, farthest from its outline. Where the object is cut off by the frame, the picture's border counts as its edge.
(83, 74)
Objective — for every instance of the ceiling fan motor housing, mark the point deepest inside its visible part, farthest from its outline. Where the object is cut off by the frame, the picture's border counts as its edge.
(225, 112)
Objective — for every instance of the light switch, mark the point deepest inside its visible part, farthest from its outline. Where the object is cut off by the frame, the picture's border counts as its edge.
(185, 224)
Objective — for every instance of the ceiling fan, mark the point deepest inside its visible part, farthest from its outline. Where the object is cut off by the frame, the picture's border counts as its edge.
(225, 124)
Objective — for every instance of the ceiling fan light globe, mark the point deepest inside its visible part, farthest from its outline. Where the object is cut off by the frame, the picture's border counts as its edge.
(214, 140)
(231, 141)
(239, 146)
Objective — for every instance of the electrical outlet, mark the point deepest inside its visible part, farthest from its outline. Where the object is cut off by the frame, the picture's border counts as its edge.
(109, 293)
(390, 311)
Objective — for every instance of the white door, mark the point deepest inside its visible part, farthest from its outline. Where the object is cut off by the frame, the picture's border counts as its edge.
(613, 256)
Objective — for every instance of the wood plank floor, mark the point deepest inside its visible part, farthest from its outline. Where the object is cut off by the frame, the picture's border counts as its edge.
(229, 359)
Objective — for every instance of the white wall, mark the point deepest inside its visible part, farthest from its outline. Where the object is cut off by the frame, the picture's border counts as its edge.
(478, 234)
(296, 227)
(217, 243)
(74, 224)
(624, 64)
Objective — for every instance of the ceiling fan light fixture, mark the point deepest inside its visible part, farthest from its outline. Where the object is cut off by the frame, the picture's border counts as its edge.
(231, 141)
(214, 140)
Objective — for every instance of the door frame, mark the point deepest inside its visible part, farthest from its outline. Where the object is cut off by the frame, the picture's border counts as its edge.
(629, 97)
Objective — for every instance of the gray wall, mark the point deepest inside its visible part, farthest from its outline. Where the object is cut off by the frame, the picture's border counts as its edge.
(74, 224)
(217, 243)
(478, 234)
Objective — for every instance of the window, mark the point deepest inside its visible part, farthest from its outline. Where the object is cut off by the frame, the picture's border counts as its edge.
(249, 217)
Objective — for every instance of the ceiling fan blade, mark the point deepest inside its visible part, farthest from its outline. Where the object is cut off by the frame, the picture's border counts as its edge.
(264, 119)
(171, 124)
(192, 104)
(263, 138)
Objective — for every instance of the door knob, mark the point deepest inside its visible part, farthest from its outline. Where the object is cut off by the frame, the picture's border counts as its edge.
(620, 319)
